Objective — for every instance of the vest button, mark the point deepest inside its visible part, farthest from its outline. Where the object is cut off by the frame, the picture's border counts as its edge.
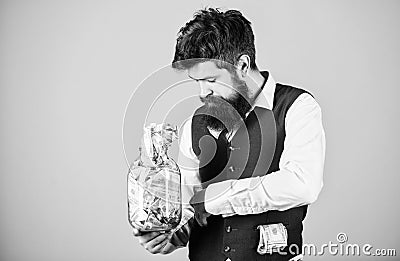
(228, 229)
(227, 249)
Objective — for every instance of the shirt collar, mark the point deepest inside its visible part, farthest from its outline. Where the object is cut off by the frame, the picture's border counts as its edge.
(265, 98)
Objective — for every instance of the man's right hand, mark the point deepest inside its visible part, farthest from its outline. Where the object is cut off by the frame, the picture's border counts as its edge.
(155, 242)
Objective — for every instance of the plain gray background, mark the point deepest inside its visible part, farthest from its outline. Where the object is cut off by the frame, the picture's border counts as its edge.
(68, 69)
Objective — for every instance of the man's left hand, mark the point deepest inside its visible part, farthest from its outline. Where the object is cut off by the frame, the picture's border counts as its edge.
(200, 212)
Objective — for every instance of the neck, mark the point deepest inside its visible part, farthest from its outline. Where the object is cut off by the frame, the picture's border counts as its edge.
(254, 81)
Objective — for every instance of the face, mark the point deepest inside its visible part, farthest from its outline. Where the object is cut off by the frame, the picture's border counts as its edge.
(224, 95)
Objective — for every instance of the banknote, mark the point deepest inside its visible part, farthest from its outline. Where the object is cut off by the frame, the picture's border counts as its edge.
(273, 237)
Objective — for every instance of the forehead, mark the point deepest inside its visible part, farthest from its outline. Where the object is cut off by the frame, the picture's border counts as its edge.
(205, 70)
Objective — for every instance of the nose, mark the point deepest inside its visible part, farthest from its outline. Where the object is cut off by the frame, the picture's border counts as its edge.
(205, 89)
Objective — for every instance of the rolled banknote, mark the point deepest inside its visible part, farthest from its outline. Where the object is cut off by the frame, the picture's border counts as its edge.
(156, 140)
(273, 237)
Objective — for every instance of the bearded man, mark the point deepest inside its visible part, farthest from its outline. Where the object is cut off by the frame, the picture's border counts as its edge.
(256, 150)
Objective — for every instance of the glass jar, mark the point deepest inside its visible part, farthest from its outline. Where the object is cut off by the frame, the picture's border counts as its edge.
(154, 183)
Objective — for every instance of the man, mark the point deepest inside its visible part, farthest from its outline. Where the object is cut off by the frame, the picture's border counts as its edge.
(242, 193)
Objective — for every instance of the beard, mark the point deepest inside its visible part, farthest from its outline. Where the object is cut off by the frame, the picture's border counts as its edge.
(219, 113)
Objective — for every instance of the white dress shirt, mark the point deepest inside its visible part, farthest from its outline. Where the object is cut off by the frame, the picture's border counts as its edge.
(297, 182)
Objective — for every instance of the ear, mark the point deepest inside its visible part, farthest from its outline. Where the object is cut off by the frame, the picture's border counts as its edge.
(243, 65)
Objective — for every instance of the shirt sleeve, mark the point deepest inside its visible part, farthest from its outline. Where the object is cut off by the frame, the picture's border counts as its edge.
(299, 179)
(190, 183)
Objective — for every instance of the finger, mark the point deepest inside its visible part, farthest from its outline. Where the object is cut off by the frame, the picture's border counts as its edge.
(150, 245)
(198, 219)
(201, 220)
(204, 221)
(147, 237)
(158, 248)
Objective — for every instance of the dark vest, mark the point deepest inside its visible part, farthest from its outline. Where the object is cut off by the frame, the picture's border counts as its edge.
(236, 237)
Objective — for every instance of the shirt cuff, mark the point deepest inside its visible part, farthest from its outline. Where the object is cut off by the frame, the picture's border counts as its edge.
(216, 198)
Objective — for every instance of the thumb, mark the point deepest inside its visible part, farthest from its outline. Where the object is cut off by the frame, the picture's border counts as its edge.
(136, 232)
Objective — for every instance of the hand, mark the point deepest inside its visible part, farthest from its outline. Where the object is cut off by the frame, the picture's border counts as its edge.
(155, 242)
(200, 213)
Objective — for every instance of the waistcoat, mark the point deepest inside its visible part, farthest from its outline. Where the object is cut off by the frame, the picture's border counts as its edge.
(255, 150)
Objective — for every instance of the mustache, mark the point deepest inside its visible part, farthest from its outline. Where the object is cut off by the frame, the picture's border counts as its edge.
(214, 99)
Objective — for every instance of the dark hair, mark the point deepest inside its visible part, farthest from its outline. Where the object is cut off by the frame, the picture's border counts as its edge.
(213, 34)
